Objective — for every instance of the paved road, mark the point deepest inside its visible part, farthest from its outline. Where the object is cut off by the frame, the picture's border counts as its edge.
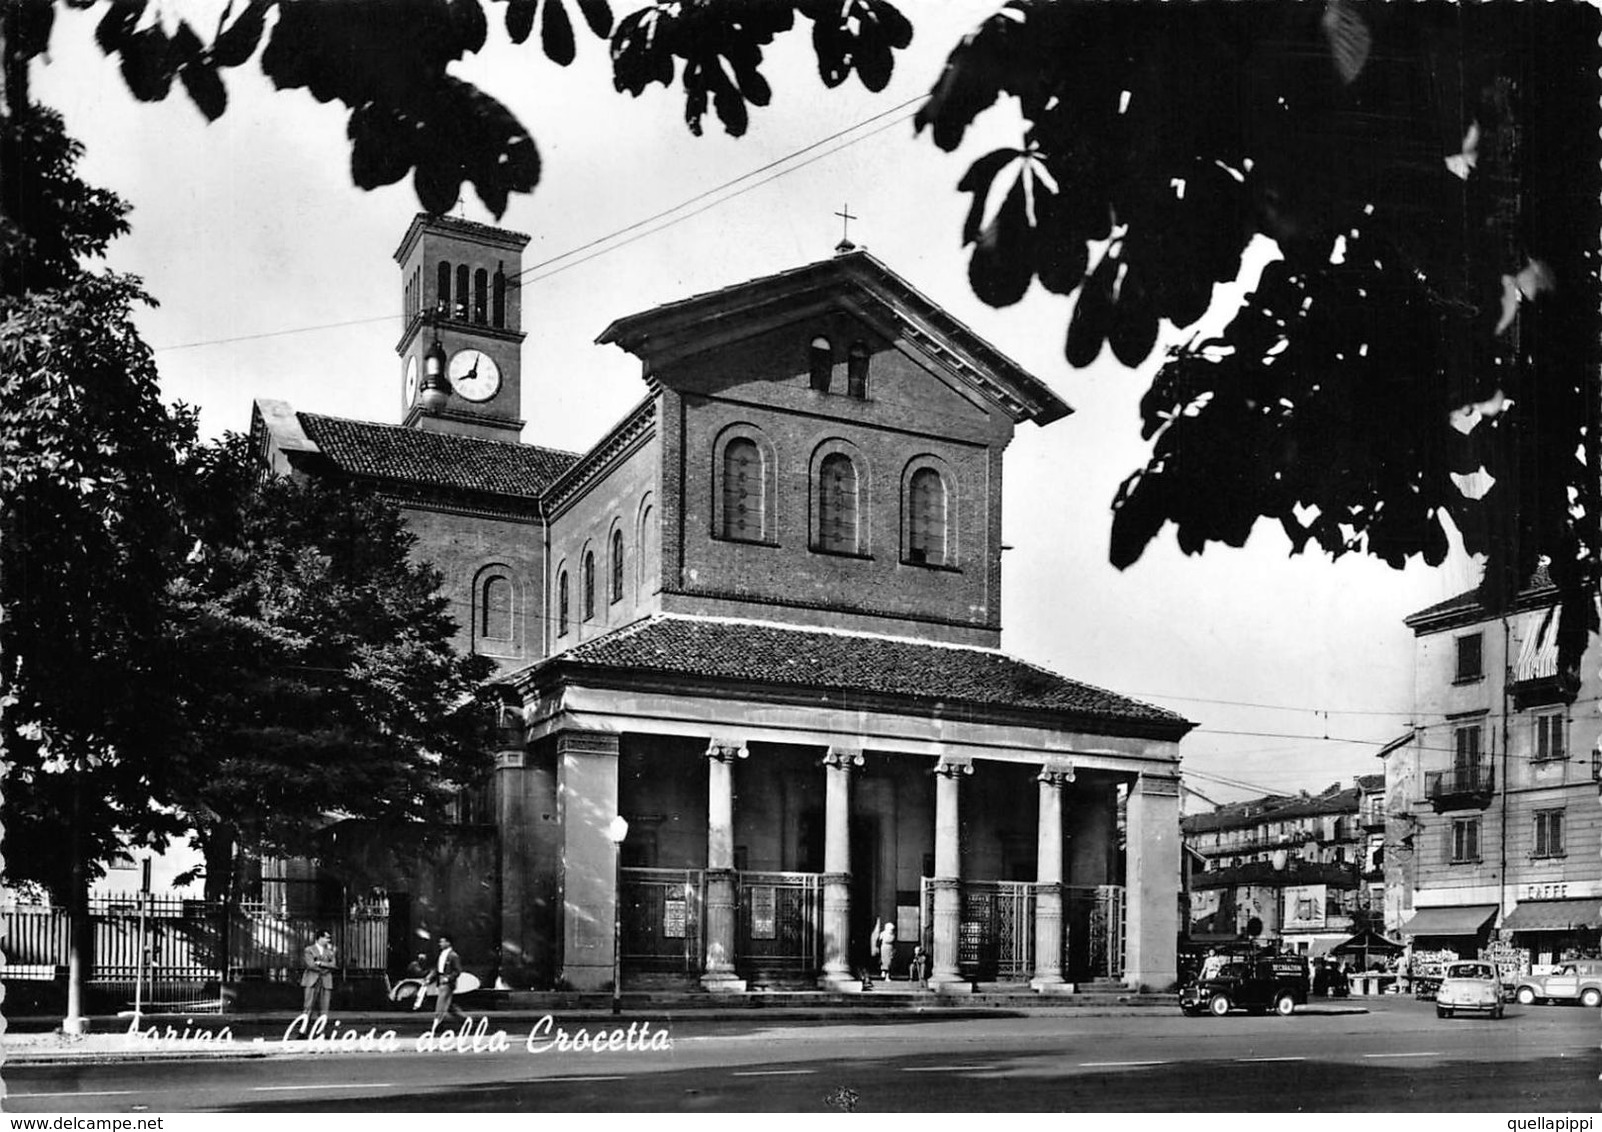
(1399, 1057)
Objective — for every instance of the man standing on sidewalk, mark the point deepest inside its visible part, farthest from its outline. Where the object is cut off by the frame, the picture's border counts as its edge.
(446, 972)
(318, 977)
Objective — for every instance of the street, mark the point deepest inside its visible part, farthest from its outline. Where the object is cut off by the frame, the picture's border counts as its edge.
(1397, 1057)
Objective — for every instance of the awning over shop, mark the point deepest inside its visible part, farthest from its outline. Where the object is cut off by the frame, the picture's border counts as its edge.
(1554, 915)
(1364, 942)
(1466, 919)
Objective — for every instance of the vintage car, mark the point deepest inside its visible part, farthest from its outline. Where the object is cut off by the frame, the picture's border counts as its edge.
(1252, 980)
(1578, 981)
(1469, 985)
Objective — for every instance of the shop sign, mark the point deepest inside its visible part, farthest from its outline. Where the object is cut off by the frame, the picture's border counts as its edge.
(1558, 891)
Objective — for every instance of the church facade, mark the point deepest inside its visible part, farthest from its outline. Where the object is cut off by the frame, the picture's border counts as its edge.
(750, 644)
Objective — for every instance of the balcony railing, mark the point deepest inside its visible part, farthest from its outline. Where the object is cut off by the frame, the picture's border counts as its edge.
(1460, 787)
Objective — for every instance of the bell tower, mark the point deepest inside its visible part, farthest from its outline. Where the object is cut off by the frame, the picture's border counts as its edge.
(461, 349)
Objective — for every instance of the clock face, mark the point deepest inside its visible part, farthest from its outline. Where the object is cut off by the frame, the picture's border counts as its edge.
(474, 375)
(411, 381)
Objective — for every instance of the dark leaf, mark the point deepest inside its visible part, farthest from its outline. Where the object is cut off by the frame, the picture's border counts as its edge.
(205, 88)
(1092, 317)
(1001, 266)
(520, 18)
(144, 65)
(730, 106)
(381, 147)
(117, 25)
(438, 185)
(598, 15)
(1134, 326)
(34, 19)
(236, 43)
(977, 180)
(556, 33)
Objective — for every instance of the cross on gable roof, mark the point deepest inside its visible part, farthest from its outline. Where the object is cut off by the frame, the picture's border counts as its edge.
(689, 326)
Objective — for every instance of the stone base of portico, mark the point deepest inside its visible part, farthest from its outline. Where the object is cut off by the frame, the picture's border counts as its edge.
(1053, 984)
(722, 984)
(951, 986)
(842, 983)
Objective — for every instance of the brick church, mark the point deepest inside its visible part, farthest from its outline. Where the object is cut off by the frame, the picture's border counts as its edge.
(759, 621)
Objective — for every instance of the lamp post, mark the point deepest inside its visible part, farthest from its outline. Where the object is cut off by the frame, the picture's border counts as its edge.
(615, 833)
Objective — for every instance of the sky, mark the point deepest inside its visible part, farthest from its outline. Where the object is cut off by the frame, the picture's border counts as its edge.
(276, 279)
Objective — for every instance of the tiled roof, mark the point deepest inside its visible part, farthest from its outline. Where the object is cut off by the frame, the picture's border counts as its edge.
(1371, 782)
(1468, 601)
(847, 662)
(435, 459)
(1274, 807)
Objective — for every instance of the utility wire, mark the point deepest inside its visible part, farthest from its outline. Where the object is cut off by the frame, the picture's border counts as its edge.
(613, 235)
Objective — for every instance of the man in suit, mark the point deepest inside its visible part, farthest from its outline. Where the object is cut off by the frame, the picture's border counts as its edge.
(318, 977)
(446, 971)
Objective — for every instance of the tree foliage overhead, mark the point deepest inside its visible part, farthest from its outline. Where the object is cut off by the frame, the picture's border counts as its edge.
(1429, 328)
(388, 62)
(313, 667)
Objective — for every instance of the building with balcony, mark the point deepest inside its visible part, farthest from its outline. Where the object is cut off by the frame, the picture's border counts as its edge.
(1292, 863)
(1494, 829)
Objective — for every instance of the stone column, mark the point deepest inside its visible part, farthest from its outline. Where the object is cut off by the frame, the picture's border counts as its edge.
(586, 784)
(1152, 879)
(719, 976)
(1048, 882)
(947, 881)
(837, 767)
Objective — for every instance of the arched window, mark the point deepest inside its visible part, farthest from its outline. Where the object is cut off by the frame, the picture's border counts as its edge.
(480, 296)
(837, 504)
(443, 286)
(821, 360)
(495, 612)
(617, 566)
(589, 584)
(744, 490)
(459, 311)
(561, 604)
(857, 371)
(926, 518)
(498, 311)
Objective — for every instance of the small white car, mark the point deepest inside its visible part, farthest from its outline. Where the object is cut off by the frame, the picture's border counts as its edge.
(1471, 985)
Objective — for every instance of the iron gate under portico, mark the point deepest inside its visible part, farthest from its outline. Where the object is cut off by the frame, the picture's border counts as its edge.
(996, 930)
(779, 929)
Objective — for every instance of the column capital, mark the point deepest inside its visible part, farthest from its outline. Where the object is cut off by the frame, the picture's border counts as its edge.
(586, 743)
(843, 758)
(1056, 774)
(726, 750)
(951, 768)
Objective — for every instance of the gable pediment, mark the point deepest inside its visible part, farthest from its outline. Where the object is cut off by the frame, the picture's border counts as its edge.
(853, 284)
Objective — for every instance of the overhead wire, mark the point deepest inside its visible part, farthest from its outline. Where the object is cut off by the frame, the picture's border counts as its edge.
(608, 238)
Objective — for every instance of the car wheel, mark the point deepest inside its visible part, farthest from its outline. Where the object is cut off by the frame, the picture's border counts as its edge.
(1590, 996)
(1526, 996)
(1219, 1005)
(1440, 1012)
(1285, 1005)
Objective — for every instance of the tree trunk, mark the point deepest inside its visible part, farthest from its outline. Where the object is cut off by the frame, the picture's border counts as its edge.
(219, 845)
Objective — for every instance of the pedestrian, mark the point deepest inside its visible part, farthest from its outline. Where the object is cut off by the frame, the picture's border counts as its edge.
(317, 980)
(447, 970)
(887, 948)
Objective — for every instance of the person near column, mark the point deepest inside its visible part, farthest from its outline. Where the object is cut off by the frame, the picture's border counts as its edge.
(887, 948)
(317, 980)
(447, 970)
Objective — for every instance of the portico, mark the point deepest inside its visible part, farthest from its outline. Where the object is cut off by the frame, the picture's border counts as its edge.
(772, 826)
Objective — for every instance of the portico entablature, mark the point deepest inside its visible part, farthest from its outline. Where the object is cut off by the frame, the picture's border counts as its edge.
(575, 706)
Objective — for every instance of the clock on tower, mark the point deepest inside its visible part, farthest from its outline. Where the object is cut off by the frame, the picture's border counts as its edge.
(460, 292)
